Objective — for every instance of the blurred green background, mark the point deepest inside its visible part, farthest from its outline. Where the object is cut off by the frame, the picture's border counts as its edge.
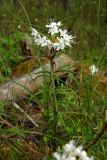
(87, 21)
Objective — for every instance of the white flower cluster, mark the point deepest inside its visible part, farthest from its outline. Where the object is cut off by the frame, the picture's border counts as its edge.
(59, 39)
(71, 152)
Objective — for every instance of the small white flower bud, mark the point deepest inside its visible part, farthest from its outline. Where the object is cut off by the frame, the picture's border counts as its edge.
(59, 23)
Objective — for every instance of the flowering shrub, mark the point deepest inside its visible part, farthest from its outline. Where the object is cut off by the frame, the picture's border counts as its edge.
(59, 38)
(71, 152)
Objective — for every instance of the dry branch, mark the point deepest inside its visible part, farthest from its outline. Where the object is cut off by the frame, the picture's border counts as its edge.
(20, 87)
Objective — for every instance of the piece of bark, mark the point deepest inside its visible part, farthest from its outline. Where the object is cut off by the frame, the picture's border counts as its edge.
(19, 88)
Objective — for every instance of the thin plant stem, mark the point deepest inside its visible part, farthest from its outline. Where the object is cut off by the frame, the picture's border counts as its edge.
(98, 136)
(25, 12)
(53, 100)
(98, 19)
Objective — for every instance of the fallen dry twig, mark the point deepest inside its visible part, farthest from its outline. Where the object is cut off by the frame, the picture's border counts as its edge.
(23, 112)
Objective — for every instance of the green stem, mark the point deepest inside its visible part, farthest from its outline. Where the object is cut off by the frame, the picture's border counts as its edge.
(53, 94)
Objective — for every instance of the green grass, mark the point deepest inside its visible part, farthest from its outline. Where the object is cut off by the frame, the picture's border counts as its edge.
(81, 107)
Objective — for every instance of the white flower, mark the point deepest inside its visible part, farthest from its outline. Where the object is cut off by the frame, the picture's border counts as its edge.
(67, 148)
(53, 31)
(63, 32)
(57, 42)
(83, 155)
(93, 69)
(78, 150)
(71, 152)
(53, 27)
(60, 45)
(34, 32)
(59, 24)
(57, 156)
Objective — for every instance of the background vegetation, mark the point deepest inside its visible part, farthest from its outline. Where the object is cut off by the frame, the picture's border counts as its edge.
(81, 105)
